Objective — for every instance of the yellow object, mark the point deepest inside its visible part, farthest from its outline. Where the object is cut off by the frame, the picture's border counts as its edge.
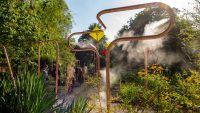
(98, 35)
(107, 44)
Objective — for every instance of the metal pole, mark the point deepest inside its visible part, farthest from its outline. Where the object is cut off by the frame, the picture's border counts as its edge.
(80, 33)
(148, 5)
(146, 65)
(108, 79)
(57, 66)
(57, 60)
(146, 61)
(9, 66)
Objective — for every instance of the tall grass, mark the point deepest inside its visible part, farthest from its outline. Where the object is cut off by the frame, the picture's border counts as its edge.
(30, 95)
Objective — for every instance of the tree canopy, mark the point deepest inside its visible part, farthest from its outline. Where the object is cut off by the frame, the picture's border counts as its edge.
(23, 23)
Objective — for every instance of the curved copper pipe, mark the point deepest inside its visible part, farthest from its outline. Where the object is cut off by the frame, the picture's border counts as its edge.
(39, 47)
(97, 68)
(57, 60)
(97, 54)
(80, 33)
(132, 7)
(57, 66)
(148, 5)
(9, 65)
(89, 49)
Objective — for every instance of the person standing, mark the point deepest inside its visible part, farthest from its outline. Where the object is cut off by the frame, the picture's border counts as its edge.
(45, 74)
(70, 78)
(85, 71)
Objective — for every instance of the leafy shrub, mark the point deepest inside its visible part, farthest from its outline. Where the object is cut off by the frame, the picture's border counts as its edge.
(77, 106)
(30, 95)
(176, 94)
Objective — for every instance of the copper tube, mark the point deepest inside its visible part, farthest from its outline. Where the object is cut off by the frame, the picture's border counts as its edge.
(57, 66)
(39, 53)
(38, 61)
(9, 66)
(89, 49)
(57, 60)
(80, 33)
(93, 50)
(97, 68)
(146, 61)
(146, 64)
(148, 5)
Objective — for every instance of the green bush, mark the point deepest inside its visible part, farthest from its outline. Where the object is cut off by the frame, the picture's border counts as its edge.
(78, 105)
(176, 94)
(30, 95)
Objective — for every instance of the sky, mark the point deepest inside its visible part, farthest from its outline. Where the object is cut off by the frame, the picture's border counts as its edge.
(84, 12)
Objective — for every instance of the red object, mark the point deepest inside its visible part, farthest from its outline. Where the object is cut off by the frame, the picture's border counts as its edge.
(104, 52)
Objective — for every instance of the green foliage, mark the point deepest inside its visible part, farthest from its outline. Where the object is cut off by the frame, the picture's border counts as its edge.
(92, 81)
(23, 23)
(195, 14)
(152, 69)
(188, 40)
(30, 95)
(176, 94)
(77, 106)
(65, 54)
(66, 57)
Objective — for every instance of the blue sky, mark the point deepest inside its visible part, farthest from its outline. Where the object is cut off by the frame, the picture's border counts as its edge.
(84, 12)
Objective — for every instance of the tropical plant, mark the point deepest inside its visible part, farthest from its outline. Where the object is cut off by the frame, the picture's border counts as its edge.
(29, 96)
(23, 23)
(176, 94)
(78, 105)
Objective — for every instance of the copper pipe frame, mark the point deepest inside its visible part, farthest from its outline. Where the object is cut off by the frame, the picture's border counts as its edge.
(38, 43)
(97, 54)
(97, 68)
(57, 60)
(57, 66)
(97, 59)
(80, 33)
(9, 65)
(146, 53)
(133, 7)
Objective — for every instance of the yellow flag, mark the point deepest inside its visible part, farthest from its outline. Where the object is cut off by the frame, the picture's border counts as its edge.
(98, 35)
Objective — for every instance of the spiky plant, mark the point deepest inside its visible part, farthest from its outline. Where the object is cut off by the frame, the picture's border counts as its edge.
(30, 95)
(78, 105)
